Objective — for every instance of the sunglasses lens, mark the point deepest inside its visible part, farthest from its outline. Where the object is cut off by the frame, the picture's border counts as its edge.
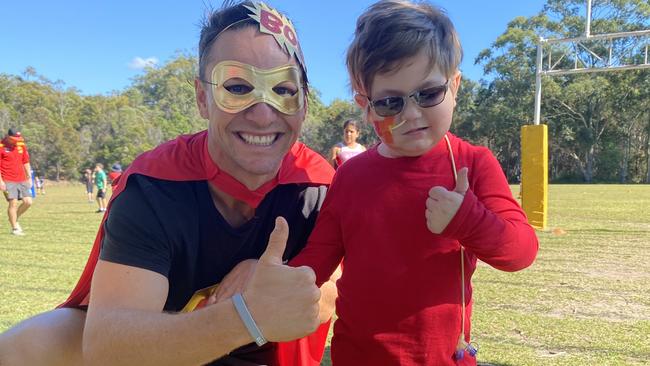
(432, 96)
(388, 106)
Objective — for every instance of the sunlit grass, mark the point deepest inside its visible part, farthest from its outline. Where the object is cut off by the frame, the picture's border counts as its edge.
(585, 301)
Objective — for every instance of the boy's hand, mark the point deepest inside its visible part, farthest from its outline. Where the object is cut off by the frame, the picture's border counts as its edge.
(442, 204)
(234, 282)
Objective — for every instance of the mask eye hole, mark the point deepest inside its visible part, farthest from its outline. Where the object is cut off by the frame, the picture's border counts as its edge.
(285, 89)
(238, 86)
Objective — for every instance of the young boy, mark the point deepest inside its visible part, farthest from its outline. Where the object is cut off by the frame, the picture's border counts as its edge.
(418, 225)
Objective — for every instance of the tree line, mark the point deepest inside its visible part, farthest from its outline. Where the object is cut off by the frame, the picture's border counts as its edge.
(599, 124)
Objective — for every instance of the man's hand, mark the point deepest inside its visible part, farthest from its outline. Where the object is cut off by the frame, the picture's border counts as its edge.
(3, 186)
(442, 204)
(282, 300)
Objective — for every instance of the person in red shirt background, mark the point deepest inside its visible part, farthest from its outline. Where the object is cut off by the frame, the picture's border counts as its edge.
(116, 171)
(15, 179)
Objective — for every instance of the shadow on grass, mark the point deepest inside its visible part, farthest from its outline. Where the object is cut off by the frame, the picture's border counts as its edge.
(327, 361)
(608, 231)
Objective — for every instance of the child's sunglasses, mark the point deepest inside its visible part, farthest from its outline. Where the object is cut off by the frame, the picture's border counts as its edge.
(425, 98)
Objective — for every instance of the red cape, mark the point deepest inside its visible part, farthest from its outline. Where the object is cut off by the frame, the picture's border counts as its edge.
(186, 158)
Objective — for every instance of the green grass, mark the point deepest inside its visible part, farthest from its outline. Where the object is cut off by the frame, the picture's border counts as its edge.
(585, 301)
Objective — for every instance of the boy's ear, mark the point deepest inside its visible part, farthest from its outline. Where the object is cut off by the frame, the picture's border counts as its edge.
(201, 98)
(455, 85)
(361, 101)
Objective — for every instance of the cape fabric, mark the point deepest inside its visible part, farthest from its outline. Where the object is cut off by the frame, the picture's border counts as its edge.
(187, 159)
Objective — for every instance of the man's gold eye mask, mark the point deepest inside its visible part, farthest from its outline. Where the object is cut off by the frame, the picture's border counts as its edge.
(237, 86)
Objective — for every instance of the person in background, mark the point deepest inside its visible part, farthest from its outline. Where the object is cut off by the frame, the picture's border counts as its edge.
(15, 177)
(40, 184)
(349, 148)
(89, 181)
(101, 184)
(116, 171)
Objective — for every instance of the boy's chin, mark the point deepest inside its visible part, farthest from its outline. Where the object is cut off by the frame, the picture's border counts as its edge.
(394, 151)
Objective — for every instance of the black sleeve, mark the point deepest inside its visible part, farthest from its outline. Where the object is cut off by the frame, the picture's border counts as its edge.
(133, 234)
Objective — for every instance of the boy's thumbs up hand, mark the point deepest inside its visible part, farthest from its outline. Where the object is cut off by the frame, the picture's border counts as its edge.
(442, 204)
(282, 300)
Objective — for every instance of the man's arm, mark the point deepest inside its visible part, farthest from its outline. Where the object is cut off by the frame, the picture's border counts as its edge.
(126, 326)
(3, 187)
(28, 172)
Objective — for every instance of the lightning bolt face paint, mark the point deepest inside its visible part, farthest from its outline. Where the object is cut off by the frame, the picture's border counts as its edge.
(384, 128)
(280, 87)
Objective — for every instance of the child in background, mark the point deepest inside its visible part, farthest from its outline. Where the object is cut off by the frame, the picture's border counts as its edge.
(349, 148)
(418, 224)
(40, 184)
(89, 180)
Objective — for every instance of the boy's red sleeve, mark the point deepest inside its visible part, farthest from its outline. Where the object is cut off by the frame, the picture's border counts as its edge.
(490, 223)
(324, 250)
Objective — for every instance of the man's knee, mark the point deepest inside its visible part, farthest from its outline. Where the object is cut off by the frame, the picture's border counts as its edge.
(13, 204)
(27, 201)
(52, 338)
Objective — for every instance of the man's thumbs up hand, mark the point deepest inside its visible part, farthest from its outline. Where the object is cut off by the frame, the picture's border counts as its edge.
(282, 300)
(442, 204)
(277, 243)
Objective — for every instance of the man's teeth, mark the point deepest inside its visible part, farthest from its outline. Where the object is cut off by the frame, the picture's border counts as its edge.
(265, 140)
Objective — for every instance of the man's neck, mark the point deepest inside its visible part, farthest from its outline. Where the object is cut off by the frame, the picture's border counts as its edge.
(235, 212)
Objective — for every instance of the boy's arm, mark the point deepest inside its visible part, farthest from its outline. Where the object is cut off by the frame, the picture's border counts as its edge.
(490, 222)
(324, 249)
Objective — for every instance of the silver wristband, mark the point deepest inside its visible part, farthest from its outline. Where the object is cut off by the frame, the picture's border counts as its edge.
(248, 320)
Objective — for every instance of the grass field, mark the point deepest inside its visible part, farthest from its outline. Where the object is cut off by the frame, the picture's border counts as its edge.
(585, 301)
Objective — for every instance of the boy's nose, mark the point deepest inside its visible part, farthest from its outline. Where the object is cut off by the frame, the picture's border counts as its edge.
(411, 110)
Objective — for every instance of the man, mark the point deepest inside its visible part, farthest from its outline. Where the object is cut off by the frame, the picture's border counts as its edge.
(186, 213)
(101, 183)
(15, 178)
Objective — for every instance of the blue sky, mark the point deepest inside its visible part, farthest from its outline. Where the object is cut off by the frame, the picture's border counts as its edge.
(98, 46)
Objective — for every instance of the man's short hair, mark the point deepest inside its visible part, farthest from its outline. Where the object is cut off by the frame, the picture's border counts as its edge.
(391, 31)
(13, 132)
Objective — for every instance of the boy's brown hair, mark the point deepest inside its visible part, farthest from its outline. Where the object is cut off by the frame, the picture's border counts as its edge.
(391, 31)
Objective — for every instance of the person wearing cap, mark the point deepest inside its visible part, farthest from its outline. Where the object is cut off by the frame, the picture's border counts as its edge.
(116, 171)
(15, 179)
(197, 211)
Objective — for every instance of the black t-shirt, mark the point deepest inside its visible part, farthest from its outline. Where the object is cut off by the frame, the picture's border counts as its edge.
(173, 228)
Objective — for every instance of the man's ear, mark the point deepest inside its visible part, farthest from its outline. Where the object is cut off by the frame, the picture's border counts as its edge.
(201, 98)
(361, 100)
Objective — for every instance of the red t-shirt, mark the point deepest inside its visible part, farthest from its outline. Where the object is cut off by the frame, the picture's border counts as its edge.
(12, 161)
(113, 177)
(399, 299)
